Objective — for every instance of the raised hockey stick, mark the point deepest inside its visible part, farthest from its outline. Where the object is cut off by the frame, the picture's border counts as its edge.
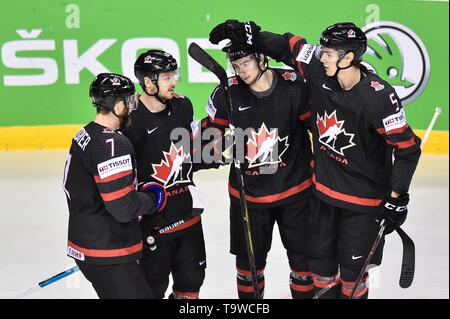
(437, 112)
(48, 281)
(408, 259)
(203, 58)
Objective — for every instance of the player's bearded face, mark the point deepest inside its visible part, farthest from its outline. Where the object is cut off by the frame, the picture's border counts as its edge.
(247, 69)
(329, 60)
(167, 82)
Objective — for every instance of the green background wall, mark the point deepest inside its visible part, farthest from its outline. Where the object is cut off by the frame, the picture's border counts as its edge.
(68, 103)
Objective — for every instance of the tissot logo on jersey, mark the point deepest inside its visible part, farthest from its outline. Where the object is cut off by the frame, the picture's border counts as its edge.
(395, 121)
(265, 147)
(175, 168)
(114, 166)
(306, 53)
(332, 133)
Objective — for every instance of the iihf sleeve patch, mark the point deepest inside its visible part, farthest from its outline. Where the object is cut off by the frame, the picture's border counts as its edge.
(114, 166)
(395, 121)
(211, 109)
(72, 252)
(306, 53)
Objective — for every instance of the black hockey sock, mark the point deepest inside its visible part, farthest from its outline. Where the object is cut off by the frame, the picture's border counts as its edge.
(245, 286)
(348, 284)
(301, 284)
(327, 287)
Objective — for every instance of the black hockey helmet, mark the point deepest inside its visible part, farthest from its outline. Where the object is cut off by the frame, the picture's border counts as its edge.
(153, 62)
(345, 37)
(107, 87)
(238, 51)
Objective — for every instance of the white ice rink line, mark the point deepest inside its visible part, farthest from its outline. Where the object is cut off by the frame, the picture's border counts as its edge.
(33, 233)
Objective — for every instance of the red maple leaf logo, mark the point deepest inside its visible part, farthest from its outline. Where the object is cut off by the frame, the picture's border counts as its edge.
(323, 124)
(168, 170)
(376, 85)
(255, 143)
(233, 81)
(289, 76)
(260, 147)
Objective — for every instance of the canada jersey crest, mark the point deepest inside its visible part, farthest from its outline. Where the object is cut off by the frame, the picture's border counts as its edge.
(332, 133)
(265, 147)
(174, 168)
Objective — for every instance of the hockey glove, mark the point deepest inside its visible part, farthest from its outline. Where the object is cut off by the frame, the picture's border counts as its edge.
(237, 32)
(159, 192)
(395, 212)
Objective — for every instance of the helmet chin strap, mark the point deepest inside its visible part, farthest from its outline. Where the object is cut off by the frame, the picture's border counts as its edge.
(261, 72)
(339, 68)
(156, 95)
(122, 119)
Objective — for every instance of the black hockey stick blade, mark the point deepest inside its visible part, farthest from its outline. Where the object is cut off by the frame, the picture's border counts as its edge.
(200, 55)
(408, 261)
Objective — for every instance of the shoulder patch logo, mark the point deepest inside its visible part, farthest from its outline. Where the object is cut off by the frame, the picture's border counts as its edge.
(292, 76)
(233, 81)
(376, 85)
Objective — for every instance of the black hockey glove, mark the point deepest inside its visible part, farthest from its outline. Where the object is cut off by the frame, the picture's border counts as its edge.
(237, 32)
(395, 212)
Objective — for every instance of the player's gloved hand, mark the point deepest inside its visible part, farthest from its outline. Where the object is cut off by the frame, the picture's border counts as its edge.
(237, 32)
(395, 211)
(160, 194)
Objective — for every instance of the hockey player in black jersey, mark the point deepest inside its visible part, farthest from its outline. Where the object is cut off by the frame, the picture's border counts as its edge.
(104, 237)
(174, 240)
(272, 104)
(358, 123)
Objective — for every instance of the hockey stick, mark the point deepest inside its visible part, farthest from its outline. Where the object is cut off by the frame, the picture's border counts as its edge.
(369, 258)
(408, 259)
(203, 58)
(48, 281)
(437, 112)
(336, 281)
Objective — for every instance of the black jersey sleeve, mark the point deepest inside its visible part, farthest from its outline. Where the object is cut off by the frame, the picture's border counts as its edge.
(389, 120)
(112, 165)
(292, 50)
